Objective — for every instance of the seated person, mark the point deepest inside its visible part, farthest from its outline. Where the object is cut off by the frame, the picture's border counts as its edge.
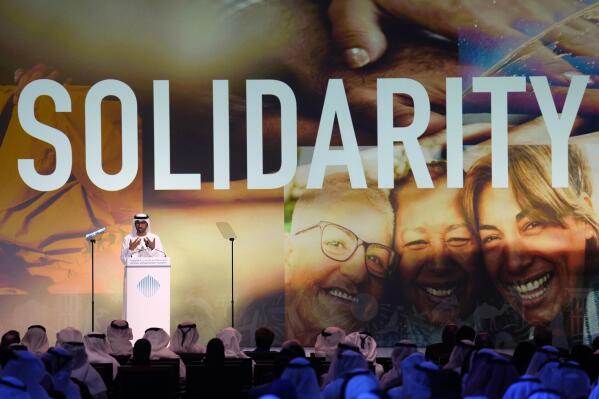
(439, 353)
(264, 339)
(141, 352)
(185, 339)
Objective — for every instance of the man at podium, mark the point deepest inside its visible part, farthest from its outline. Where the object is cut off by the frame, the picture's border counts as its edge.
(147, 283)
(141, 242)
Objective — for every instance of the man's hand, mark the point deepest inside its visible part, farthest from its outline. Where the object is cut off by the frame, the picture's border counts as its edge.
(134, 243)
(357, 29)
(150, 243)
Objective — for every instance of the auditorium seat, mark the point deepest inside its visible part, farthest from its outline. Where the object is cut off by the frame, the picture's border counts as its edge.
(147, 382)
(176, 363)
(122, 359)
(234, 381)
(105, 371)
(264, 372)
(189, 358)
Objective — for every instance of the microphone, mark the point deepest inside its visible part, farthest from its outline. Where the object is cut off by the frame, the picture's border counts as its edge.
(93, 234)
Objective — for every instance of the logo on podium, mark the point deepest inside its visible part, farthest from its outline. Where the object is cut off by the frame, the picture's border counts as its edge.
(148, 286)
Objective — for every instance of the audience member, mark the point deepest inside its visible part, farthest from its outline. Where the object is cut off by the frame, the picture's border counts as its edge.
(459, 354)
(402, 350)
(408, 366)
(327, 341)
(541, 356)
(29, 369)
(142, 350)
(9, 338)
(231, 339)
(567, 378)
(366, 344)
(301, 375)
(484, 340)
(343, 362)
(523, 387)
(82, 370)
(264, 338)
(59, 365)
(185, 339)
(351, 384)
(542, 336)
(159, 340)
(119, 337)
(522, 356)
(439, 352)
(465, 332)
(36, 339)
(98, 351)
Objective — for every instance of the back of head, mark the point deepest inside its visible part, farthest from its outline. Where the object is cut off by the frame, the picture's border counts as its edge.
(542, 336)
(157, 337)
(364, 342)
(141, 351)
(327, 341)
(36, 339)
(69, 334)
(119, 336)
(522, 356)
(449, 335)
(345, 361)
(356, 382)
(57, 360)
(25, 366)
(465, 332)
(264, 338)
(185, 338)
(402, 350)
(484, 340)
(215, 353)
(10, 337)
(303, 377)
(231, 339)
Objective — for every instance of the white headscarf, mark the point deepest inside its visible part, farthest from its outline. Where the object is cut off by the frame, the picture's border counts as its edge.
(36, 340)
(542, 355)
(140, 217)
(98, 350)
(402, 350)
(231, 338)
(185, 339)
(303, 377)
(461, 351)
(59, 364)
(327, 341)
(30, 370)
(72, 340)
(119, 337)
(68, 334)
(364, 342)
(159, 340)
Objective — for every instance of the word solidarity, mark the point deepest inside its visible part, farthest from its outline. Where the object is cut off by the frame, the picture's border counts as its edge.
(559, 126)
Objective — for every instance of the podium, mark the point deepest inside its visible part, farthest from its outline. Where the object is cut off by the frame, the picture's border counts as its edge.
(147, 296)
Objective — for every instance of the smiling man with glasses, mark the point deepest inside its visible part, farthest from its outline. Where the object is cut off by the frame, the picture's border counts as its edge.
(338, 256)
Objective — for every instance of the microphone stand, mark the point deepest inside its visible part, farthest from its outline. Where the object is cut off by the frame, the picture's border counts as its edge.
(232, 239)
(93, 242)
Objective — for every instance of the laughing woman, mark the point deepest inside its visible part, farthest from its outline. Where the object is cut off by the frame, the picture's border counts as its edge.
(539, 243)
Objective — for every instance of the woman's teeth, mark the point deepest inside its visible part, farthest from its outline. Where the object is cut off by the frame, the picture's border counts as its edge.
(343, 295)
(439, 292)
(527, 288)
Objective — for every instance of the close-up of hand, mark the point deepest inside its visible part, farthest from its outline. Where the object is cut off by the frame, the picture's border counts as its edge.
(150, 243)
(134, 243)
(482, 24)
(25, 76)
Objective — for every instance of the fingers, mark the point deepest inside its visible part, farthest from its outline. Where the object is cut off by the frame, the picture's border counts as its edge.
(24, 77)
(356, 31)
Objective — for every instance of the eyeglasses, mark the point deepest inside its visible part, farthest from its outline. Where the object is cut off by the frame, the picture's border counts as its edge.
(339, 243)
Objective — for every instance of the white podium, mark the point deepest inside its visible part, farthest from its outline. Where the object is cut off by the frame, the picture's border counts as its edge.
(147, 296)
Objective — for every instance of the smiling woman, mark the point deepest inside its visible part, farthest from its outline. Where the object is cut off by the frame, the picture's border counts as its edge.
(537, 241)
